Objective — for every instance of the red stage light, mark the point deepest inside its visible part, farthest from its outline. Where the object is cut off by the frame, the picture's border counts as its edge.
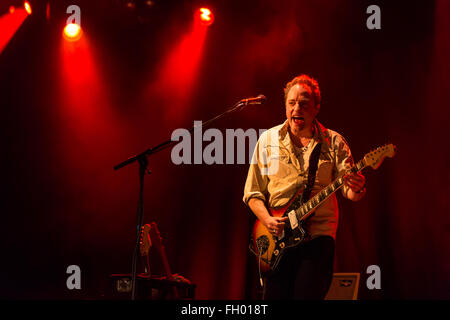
(10, 22)
(205, 16)
(72, 32)
(27, 7)
(12, 9)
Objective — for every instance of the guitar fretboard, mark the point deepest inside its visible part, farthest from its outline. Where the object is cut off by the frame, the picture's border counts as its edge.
(308, 207)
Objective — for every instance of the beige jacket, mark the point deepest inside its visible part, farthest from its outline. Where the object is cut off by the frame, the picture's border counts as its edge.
(278, 169)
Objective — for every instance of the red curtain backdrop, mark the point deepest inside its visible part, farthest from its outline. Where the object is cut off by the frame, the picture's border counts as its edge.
(70, 116)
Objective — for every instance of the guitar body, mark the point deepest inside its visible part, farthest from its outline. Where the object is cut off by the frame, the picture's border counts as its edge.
(272, 248)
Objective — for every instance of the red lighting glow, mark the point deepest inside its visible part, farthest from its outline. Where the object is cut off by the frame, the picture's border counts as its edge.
(27, 7)
(9, 23)
(205, 16)
(12, 9)
(180, 70)
(72, 32)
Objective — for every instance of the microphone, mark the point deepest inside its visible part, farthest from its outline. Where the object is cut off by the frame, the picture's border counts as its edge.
(257, 100)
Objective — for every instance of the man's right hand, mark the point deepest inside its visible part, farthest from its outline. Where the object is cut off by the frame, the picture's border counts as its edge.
(275, 225)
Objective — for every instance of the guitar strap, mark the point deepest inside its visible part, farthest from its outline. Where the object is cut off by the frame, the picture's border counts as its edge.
(312, 170)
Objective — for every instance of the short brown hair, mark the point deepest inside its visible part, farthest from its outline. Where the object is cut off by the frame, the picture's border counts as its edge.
(307, 80)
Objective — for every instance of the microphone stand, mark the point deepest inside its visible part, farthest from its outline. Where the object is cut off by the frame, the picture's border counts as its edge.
(143, 163)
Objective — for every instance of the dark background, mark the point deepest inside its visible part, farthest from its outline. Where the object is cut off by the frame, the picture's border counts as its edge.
(66, 123)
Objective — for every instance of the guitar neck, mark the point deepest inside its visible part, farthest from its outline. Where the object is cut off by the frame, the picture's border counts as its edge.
(165, 263)
(308, 207)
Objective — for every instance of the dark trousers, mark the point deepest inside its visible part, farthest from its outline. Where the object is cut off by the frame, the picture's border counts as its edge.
(304, 272)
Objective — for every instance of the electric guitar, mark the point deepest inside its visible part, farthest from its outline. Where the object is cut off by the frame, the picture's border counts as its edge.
(269, 248)
(150, 236)
(155, 237)
(145, 244)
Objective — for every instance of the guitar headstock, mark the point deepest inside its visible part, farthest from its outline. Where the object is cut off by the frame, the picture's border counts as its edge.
(145, 242)
(376, 157)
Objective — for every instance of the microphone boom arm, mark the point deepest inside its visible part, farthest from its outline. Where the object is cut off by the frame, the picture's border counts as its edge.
(236, 107)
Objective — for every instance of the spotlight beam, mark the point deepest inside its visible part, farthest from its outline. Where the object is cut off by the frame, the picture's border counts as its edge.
(9, 24)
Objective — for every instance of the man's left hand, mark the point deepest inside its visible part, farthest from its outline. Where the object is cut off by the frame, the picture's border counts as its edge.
(355, 181)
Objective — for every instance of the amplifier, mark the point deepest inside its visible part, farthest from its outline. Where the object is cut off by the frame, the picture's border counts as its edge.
(344, 286)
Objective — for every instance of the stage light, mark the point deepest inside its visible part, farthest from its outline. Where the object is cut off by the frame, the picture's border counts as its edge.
(205, 16)
(27, 7)
(130, 5)
(12, 9)
(72, 32)
(47, 10)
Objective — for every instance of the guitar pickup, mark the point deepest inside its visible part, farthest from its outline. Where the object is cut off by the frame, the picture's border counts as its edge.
(293, 219)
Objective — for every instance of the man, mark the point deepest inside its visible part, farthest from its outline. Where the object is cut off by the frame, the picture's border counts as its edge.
(304, 272)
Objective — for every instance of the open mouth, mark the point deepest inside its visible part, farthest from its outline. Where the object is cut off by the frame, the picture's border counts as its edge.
(298, 119)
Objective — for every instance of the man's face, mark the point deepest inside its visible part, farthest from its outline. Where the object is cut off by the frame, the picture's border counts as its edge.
(300, 108)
